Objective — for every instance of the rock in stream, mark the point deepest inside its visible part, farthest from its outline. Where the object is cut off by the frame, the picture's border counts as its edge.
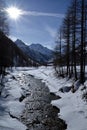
(39, 114)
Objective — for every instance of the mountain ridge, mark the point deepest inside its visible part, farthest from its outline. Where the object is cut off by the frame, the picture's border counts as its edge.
(37, 52)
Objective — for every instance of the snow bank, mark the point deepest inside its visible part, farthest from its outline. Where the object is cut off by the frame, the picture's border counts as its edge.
(72, 108)
(10, 105)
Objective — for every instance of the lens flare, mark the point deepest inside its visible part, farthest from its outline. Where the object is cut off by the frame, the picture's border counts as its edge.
(14, 12)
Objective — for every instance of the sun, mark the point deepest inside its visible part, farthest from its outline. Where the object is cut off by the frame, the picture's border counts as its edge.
(14, 12)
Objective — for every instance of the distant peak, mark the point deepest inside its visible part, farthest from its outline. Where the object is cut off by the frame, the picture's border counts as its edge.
(35, 44)
(18, 40)
(38, 45)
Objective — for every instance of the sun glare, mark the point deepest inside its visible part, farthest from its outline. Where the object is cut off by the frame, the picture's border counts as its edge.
(14, 12)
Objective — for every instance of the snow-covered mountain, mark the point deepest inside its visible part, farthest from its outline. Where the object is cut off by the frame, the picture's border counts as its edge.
(41, 49)
(37, 52)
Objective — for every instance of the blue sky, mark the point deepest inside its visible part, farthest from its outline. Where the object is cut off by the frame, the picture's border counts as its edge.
(41, 22)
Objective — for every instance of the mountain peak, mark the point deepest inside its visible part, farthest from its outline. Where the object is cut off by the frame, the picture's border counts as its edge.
(36, 51)
(40, 48)
(18, 40)
(20, 43)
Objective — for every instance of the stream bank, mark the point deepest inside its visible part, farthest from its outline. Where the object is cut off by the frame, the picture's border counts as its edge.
(39, 114)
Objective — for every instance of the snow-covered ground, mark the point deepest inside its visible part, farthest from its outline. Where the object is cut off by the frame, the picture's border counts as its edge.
(72, 107)
(10, 105)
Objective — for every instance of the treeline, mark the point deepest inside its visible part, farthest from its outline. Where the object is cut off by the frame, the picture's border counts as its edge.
(70, 50)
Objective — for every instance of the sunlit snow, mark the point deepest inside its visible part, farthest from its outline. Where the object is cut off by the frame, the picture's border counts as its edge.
(72, 107)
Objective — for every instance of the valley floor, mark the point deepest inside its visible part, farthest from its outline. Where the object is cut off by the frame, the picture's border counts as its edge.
(73, 109)
(26, 100)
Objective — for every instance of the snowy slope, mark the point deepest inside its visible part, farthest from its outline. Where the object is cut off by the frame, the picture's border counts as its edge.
(10, 105)
(41, 49)
(36, 52)
(72, 107)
